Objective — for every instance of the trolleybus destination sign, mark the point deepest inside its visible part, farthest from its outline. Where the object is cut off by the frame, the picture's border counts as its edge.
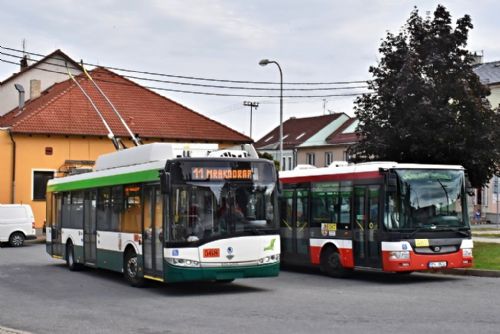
(220, 173)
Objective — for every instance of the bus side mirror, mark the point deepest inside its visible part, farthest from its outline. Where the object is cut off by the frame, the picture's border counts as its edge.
(165, 184)
(391, 182)
(468, 188)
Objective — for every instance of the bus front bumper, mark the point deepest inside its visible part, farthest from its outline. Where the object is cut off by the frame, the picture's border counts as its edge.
(182, 274)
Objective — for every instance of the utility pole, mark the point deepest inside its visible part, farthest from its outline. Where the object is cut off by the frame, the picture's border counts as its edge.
(251, 105)
(496, 191)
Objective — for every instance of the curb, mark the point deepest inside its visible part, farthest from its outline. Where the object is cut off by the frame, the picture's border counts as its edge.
(471, 272)
(6, 330)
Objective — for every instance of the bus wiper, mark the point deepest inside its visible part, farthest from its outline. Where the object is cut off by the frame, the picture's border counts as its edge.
(422, 228)
(453, 229)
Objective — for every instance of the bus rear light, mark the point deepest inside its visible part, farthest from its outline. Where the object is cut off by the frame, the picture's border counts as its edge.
(399, 255)
(467, 252)
(33, 225)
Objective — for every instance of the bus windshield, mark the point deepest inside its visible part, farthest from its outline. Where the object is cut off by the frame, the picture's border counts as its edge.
(219, 207)
(427, 200)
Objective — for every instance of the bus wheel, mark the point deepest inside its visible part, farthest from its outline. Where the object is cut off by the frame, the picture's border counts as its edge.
(16, 239)
(70, 259)
(131, 270)
(331, 265)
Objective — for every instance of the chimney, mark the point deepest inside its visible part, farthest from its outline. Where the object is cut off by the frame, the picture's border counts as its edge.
(477, 58)
(20, 89)
(24, 62)
(35, 88)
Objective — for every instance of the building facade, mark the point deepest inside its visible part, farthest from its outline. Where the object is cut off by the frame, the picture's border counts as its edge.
(59, 132)
(488, 199)
(304, 140)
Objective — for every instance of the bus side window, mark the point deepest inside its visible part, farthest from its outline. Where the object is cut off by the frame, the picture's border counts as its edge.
(66, 210)
(345, 205)
(104, 209)
(131, 217)
(286, 209)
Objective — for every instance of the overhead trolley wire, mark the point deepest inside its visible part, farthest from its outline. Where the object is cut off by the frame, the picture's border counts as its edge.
(200, 78)
(213, 86)
(203, 93)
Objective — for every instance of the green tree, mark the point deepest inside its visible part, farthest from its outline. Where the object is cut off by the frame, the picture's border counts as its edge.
(427, 105)
(269, 156)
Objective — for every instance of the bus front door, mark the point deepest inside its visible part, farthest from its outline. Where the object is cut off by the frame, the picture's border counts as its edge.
(89, 226)
(153, 232)
(366, 246)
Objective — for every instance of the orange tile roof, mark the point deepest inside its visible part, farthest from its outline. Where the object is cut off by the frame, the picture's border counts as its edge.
(63, 109)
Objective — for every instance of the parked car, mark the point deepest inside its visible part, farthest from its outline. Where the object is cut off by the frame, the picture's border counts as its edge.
(17, 224)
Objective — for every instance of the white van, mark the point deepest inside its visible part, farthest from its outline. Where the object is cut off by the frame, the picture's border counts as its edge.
(17, 224)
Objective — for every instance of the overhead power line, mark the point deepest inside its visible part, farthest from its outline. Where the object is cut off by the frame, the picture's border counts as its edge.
(198, 92)
(198, 78)
(208, 86)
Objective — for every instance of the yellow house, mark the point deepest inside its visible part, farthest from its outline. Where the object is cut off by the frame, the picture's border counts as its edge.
(59, 132)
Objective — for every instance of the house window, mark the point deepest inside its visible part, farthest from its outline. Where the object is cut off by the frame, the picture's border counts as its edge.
(311, 159)
(40, 179)
(328, 158)
(290, 167)
(346, 156)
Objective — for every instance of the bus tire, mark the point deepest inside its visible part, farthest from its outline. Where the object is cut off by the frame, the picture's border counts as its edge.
(332, 265)
(16, 239)
(131, 269)
(70, 258)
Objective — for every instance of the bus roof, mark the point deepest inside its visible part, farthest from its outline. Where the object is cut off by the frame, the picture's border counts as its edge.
(366, 167)
(132, 165)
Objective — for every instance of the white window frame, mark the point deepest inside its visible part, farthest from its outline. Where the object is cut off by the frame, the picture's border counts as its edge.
(328, 158)
(311, 159)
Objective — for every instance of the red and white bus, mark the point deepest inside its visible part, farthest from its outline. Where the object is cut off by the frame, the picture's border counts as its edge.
(381, 216)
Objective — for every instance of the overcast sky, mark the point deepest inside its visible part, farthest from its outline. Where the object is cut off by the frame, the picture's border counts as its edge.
(312, 40)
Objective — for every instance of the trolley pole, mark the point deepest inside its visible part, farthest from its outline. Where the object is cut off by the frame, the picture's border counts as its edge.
(251, 105)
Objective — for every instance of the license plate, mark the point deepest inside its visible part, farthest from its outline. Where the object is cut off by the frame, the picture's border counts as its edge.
(434, 265)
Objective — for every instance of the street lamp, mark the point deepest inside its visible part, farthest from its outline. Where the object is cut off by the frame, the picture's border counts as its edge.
(264, 62)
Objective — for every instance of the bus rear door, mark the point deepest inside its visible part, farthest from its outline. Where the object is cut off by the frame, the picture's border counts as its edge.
(295, 226)
(89, 226)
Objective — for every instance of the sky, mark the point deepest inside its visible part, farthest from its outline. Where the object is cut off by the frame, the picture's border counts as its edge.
(313, 41)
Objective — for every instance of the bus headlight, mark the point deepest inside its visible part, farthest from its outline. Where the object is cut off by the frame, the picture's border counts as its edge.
(399, 255)
(270, 259)
(183, 262)
(467, 252)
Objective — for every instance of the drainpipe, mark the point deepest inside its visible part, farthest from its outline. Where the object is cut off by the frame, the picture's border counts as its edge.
(13, 194)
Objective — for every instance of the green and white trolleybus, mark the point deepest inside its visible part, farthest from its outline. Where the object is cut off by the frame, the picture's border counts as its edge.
(150, 215)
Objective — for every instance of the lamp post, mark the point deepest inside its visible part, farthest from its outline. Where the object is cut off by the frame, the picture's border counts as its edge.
(264, 62)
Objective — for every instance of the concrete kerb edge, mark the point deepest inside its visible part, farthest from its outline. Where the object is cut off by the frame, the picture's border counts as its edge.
(471, 272)
(6, 330)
